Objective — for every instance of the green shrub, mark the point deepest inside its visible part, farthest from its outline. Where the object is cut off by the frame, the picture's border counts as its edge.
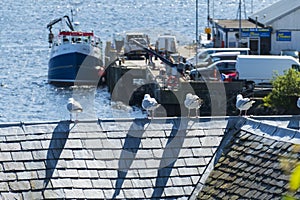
(284, 87)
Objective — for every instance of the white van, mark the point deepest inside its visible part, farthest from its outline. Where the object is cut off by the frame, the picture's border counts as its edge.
(259, 70)
(204, 54)
(166, 43)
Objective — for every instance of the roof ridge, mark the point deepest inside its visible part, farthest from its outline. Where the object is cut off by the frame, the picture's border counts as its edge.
(270, 131)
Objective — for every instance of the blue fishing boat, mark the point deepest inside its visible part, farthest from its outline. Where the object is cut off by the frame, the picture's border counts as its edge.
(76, 57)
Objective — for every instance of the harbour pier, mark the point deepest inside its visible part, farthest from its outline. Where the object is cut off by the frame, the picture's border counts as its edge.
(129, 80)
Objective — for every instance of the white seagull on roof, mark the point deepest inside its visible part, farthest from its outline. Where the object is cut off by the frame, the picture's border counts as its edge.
(74, 107)
(192, 102)
(298, 102)
(149, 104)
(243, 104)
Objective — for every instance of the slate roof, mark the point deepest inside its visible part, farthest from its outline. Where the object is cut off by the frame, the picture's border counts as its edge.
(256, 162)
(105, 159)
(268, 15)
(165, 158)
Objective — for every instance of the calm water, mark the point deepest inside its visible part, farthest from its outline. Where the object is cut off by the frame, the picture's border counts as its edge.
(25, 94)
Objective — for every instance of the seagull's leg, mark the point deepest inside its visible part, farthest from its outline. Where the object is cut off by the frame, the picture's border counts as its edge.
(188, 112)
(245, 112)
(196, 112)
(70, 116)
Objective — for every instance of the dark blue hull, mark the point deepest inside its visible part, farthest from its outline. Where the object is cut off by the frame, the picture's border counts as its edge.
(74, 68)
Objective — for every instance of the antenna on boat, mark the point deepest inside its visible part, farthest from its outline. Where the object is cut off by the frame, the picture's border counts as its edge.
(72, 14)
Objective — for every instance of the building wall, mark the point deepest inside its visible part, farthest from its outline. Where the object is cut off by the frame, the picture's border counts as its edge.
(286, 23)
(232, 40)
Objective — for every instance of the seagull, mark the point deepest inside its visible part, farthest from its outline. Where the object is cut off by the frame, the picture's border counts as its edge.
(298, 102)
(192, 102)
(243, 103)
(73, 107)
(149, 104)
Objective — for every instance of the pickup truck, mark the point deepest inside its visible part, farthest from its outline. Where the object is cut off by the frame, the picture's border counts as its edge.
(133, 50)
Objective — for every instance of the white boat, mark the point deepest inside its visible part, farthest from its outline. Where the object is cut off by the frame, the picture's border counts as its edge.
(76, 56)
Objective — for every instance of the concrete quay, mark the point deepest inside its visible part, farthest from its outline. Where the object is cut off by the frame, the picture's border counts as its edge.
(129, 80)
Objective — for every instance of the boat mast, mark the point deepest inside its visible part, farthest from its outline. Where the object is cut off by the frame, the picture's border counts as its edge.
(208, 13)
(197, 36)
(240, 23)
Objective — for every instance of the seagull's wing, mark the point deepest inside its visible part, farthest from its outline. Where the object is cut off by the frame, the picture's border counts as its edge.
(298, 102)
(192, 102)
(149, 103)
(74, 106)
(244, 104)
(187, 102)
(241, 102)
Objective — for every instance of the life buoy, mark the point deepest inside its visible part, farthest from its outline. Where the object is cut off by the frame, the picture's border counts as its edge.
(172, 81)
(215, 73)
(101, 72)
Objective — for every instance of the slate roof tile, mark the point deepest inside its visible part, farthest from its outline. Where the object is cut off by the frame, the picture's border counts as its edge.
(13, 146)
(13, 166)
(93, 194)
(34, 195)
(11, 195)
(101, 183)
(109, 193)
(74, 193)
(27, 175)
(4, 186)
(5, 156)
(133, 193)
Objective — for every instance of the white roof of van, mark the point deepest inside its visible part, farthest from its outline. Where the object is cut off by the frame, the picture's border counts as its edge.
(235, 48)
(263, 56)
(231, 53)
(267, 57)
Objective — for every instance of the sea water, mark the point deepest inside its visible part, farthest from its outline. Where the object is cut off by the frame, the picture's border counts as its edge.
(25, 94)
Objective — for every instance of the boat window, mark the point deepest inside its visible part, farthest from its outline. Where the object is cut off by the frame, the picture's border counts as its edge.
(78, 40)
(65, 39)
(98, 42)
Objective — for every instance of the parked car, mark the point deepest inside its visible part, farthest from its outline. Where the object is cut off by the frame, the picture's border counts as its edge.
(204, 54)
(224, 56)
(221, 70)
(289, 52)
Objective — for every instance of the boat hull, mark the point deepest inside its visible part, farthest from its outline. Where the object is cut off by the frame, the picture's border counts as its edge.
(74, 63)
(74, 68)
